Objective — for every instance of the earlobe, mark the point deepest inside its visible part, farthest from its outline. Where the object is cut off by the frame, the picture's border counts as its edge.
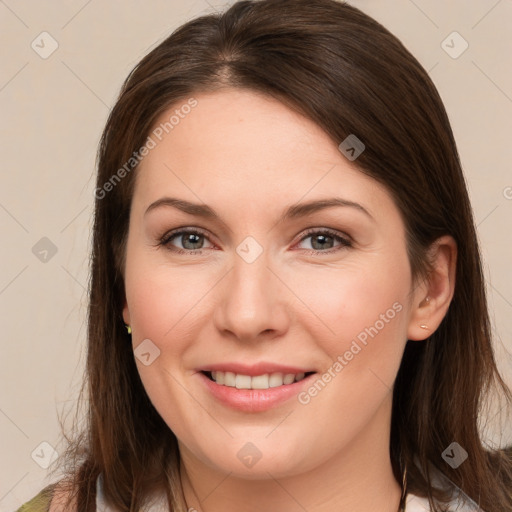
(432, 300)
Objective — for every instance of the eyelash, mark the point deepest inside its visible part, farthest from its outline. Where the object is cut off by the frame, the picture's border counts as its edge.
(345, 242)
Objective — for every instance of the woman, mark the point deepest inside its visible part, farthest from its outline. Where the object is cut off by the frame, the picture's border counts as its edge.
(287, 307)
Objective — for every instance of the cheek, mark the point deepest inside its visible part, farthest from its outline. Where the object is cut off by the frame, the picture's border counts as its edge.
(167, 306)
(363, 329)
(164, 300)
(359, 301)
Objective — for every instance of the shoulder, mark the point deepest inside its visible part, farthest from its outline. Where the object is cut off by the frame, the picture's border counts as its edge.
(458, 500)
(60, 498)
(41, 502)
(52, 498)
(460, 503)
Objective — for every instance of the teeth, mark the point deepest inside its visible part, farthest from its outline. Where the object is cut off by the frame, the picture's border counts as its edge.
(276, 379)
(288, 378)
(229, 379)
(259, 382)
(243, 382)
(268, 380)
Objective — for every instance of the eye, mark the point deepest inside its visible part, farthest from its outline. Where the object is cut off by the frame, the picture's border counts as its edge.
(322, 240)
(190, 239)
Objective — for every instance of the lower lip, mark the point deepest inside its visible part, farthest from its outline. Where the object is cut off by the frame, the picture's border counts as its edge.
(254, 400)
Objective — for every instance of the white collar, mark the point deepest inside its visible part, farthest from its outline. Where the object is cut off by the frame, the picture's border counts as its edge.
(157, 504)
(413, 503)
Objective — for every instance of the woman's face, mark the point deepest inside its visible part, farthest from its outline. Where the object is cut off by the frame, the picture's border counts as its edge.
(234, 266)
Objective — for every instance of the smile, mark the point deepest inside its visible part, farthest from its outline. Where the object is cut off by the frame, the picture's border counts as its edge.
(264, 381)
(253, 393)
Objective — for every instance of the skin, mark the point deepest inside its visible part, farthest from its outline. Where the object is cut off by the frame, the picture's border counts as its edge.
(249, 157)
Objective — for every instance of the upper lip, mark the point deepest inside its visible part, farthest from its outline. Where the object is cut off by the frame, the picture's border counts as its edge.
(254, 369)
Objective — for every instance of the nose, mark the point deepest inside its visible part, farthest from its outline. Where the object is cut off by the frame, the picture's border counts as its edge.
(252, 303)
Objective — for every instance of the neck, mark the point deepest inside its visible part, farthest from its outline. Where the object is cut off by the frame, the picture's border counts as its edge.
(357, 479)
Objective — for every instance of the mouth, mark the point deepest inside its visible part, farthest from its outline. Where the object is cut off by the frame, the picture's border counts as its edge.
(253, 393)
(263, 381)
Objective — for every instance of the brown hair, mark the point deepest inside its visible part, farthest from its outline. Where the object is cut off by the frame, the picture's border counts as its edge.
(347, 73)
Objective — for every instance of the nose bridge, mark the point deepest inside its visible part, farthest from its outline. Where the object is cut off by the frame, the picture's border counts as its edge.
(252, 301)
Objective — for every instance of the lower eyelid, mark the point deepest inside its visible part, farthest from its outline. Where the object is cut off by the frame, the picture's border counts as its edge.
(344, 242)
(166, 239)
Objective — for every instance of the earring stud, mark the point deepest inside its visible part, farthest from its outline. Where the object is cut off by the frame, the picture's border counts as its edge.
(424, 326)
(128, 328)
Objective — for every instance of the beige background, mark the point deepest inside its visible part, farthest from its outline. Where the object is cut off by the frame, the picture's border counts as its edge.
(53, 111)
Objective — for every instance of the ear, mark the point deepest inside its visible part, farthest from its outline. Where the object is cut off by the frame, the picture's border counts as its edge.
(126, 313)
(432, 298)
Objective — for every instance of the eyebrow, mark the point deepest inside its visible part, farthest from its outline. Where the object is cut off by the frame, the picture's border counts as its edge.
(294, 211)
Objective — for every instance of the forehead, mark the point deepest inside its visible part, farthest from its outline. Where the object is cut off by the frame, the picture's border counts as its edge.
(238, 143)
(231, 123)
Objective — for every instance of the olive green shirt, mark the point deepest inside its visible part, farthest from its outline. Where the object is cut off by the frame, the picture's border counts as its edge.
(39, 503)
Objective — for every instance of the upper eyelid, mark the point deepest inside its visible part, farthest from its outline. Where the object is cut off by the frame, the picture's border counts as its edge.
(178, 231)
(304, 234)
(186, 229)
(345, 239)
